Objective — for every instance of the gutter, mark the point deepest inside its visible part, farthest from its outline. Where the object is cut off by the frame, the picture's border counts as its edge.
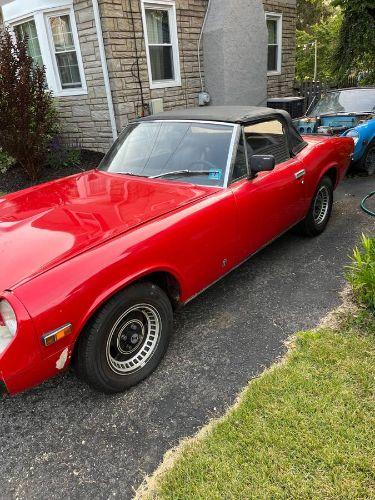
(103, 59)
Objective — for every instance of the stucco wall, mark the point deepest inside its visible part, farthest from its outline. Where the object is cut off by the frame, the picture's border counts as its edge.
(121, 55)
(85, 118)
(282, 85)
(235, 52)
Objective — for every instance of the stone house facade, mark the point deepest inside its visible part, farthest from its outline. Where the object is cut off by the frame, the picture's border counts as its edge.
(109, 61)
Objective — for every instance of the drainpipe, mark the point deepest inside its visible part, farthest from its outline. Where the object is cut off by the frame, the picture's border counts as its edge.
(103, 59)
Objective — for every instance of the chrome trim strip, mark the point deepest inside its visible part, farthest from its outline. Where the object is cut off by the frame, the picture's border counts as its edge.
(231, 154)
(300, 174)
(161, 120)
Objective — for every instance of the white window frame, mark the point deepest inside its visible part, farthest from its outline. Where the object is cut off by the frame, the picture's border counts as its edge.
(60, 90)
(168, 5)
(276, 16)
(47, 49)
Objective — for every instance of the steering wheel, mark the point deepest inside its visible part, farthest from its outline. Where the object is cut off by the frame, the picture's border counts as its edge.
(202, 163)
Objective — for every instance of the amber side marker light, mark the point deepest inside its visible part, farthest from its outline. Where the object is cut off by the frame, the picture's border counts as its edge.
(52, 337)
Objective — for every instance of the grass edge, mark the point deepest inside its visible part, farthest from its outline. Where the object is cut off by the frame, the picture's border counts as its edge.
(148, 489)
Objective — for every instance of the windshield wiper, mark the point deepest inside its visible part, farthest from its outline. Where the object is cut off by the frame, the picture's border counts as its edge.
(187, 173)
(130, 173)
(350, 113)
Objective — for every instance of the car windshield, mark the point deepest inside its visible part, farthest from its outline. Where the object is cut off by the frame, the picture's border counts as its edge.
(345, 101)
(191, 152)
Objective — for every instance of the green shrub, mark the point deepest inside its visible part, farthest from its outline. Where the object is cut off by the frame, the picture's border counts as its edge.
(361, 273)
(6, 161)
(61, 155)
(27, 115)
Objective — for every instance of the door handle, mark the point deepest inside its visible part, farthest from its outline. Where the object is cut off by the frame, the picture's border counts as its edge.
(300, 174)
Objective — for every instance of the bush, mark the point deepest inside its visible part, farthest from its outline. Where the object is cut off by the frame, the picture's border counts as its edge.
(27, 116)
(61, 155)
(361, 273)
(6, 161)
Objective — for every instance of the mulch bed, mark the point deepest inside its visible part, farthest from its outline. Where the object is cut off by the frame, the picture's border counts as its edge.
(15, 178)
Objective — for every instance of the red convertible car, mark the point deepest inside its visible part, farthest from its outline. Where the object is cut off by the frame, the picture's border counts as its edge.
(93, 265)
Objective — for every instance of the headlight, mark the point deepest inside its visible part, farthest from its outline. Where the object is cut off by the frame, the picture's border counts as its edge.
(354, 134)
(8, 324)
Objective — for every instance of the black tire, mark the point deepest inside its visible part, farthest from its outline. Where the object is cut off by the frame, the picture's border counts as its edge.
(316, 221)
(367, 163)
(138, 318)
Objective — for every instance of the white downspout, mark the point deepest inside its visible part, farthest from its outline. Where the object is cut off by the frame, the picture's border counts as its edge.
(103, 59)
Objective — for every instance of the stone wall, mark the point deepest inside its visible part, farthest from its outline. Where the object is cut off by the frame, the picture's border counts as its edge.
(282, 85)
(122, 49)
(85, 118)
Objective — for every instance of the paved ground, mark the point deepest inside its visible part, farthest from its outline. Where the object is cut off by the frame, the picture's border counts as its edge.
(62, 440)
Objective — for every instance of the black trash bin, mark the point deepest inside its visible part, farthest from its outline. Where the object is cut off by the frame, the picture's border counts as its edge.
(293, 105)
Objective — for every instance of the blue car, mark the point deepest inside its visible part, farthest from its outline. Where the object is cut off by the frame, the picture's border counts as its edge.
(349, 112)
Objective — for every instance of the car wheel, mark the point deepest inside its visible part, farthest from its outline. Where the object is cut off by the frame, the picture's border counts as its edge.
(126, 340)
(368, 160)
(320, 210)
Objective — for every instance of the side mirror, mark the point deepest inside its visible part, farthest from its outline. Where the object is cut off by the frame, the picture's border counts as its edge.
(262, 163)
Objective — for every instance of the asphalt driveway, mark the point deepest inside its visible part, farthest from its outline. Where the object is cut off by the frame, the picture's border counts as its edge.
(62, 440)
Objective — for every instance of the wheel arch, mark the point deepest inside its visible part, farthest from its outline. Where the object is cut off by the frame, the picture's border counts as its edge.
(163, 278)
(332, 172)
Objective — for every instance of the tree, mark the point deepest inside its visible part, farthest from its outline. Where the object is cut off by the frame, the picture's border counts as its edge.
(312, 12)
(27, 116)
(326, 34)
(355, 54)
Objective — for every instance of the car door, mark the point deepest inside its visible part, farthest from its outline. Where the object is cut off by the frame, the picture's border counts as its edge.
(271, 202)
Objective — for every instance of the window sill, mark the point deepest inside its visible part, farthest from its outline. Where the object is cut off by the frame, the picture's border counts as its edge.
(273, 73)
(165, 84)
(69, 93)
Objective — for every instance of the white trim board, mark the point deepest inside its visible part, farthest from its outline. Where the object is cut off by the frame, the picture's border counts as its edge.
(17, 9)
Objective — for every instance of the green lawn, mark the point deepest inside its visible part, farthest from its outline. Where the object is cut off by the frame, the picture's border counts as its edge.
(304, 429)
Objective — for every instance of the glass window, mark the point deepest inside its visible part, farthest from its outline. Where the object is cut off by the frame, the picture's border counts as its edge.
(189, 152)
(161, 40)
(267, 138)
(159, 44)
(274, 46)
(240, 166)
(27, 31)
(65, 52)
(345, 101)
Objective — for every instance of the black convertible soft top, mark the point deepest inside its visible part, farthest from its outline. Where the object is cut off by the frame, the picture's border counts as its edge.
(233, 114)
(229, 114)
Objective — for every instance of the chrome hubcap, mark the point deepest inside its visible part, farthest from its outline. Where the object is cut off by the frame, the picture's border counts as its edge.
(321, 205)
(133, 339)
(370, 161)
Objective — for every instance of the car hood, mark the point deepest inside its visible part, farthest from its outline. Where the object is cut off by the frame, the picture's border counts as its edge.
(45, 225)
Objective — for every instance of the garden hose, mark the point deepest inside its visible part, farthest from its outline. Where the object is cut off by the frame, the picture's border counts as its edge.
(363, 204)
